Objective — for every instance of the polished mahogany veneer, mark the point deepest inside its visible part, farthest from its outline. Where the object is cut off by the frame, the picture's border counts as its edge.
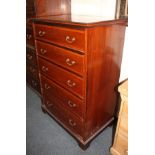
(63, 57)
(64, 78)
(79, 66)
(62, 97)
(69, 38)
(70, 121)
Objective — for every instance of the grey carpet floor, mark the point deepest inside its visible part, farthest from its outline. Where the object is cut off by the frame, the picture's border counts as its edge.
(45, 137)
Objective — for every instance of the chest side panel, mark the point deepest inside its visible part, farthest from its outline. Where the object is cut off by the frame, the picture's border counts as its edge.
(104, 54)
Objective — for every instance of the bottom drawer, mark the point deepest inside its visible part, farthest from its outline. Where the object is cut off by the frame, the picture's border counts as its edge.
(34, 83)
(67, 119)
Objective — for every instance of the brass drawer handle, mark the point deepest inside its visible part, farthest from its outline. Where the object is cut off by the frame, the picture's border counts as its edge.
(29, 57)
(72, 105)
(70, 39)
(43, 51)
(72, 123)
(34, 83)
(44, 69)
(41, 33)
(29, 36)
(49, 104)
(32, 69)
(70, 62)
(47, 86)
(71, 83)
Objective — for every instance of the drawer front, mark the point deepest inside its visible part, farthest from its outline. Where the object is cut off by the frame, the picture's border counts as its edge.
(60, 56)
(32, 70)
(66, 79)
(62, 97)
(31, 56)
(65, 117)
(34, 83)
(29, 37)
(69, 38)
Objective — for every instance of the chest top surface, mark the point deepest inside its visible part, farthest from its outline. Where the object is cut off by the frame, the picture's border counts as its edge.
(79, 20)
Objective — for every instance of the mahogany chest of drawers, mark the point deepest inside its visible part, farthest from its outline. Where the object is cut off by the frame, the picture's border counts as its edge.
(79, 66)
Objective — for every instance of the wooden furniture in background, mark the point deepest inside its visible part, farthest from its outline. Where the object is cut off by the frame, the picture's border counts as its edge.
(120, 145)
(32, 75)
(52, 7)
(79, 66)
(30, 9)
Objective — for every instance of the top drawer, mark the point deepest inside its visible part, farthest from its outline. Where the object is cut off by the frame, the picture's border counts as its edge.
(70, 38)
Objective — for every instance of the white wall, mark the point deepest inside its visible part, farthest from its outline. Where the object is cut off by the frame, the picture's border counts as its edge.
(104, 8)
(124, 66)
(94, 7)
